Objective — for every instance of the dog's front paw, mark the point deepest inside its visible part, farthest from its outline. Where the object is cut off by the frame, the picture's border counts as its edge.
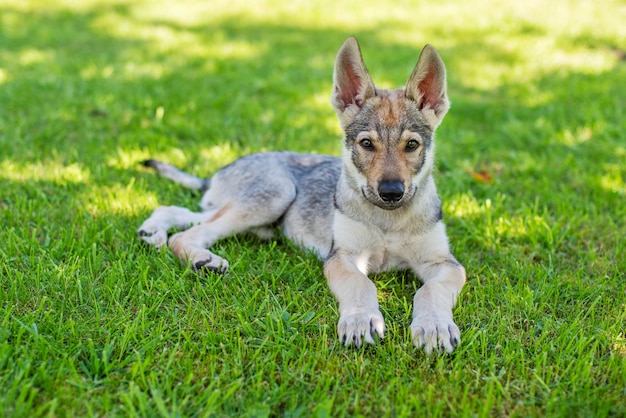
(152, 234)
(360, 326)
(435, 332)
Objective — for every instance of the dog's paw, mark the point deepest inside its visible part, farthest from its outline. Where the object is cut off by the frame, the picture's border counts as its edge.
(361, 326)
(211, 263)
(435, 333)
(152, 235)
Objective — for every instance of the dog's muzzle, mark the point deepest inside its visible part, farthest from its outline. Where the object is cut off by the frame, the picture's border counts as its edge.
(391, 191)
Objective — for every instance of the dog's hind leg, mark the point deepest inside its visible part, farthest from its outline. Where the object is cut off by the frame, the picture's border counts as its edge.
(192, 245)
(154, 230)
(253, 206)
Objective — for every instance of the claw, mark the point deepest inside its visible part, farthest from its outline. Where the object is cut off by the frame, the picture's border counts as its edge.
(434, 333)
(362, 327)
(199, 265)
(212, 263)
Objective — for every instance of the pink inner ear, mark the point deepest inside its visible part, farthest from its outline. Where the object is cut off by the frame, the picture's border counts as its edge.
(350, 84)
(429, 92)
(430, 89)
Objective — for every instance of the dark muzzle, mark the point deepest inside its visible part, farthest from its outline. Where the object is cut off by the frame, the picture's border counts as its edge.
(391, 190)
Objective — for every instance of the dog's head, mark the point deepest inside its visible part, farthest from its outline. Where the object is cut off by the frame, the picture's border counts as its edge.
(388, 143)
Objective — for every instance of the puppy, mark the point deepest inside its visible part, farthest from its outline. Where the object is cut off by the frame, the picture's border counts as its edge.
(374, 209)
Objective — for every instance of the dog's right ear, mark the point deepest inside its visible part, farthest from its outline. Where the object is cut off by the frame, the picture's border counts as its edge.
(352, 82)
(427, 86)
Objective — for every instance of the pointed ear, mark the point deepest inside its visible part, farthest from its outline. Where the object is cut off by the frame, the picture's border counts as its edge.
(427, 86)
(352, 82)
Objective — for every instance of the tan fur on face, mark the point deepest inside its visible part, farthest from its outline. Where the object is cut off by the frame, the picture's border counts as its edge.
(389, 160)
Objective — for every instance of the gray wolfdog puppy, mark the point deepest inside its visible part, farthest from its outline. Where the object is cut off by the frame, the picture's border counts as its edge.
(374, 209)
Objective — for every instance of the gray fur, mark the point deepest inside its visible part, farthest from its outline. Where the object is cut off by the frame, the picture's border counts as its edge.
(185, 179)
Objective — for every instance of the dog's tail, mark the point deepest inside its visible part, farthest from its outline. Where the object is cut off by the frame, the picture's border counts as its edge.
(185, 179)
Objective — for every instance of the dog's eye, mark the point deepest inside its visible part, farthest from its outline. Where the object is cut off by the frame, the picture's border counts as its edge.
(367, 144)
(412, 145)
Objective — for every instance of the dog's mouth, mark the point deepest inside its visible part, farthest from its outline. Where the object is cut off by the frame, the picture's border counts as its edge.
(387, 202)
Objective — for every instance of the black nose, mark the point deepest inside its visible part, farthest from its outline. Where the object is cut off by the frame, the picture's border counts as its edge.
(391, 190)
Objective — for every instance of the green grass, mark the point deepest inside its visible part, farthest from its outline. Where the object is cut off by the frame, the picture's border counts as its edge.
(94, 324)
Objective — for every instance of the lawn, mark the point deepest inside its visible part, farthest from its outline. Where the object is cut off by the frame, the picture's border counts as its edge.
(531, 169)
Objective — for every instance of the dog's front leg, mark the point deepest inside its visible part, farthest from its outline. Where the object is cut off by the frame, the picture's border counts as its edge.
(360, 319)
(433, 327)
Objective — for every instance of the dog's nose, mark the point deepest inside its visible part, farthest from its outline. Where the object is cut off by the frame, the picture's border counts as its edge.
(391, 190)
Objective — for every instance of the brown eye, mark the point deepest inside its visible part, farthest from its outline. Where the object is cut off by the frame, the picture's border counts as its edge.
(367, 144)
(412, 145)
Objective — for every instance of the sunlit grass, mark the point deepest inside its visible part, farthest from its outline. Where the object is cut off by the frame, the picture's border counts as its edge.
(613, 180)
(40, 171)
(118, 200)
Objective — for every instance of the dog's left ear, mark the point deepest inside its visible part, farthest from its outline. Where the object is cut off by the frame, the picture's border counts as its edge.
(352, 82)
(427, 86)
